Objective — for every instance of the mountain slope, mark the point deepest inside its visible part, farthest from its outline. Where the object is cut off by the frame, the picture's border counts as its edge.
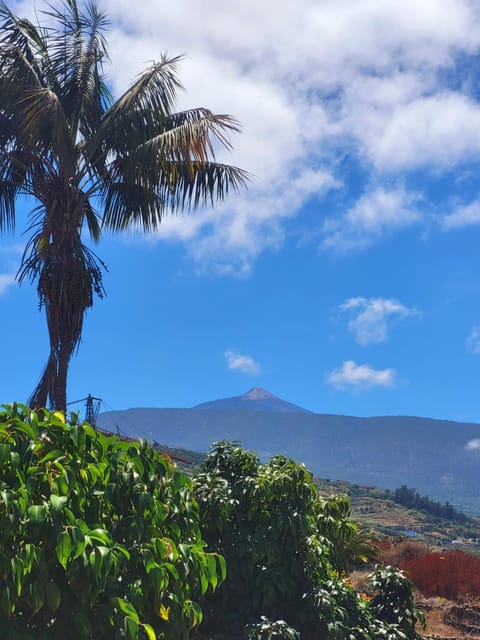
(433, 456)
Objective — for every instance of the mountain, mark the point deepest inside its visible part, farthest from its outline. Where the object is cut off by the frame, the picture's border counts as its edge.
(256, 399)
(439, 458)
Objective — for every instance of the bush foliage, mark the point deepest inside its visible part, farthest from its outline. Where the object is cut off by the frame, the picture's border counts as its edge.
(287, 551)
(99, 538)
(102, 539)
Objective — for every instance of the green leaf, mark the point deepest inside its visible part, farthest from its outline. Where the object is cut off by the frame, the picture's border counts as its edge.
(89, 431)
(203, 582)
(18, 567)
(29, 556)
(54, 596)
(77, 436)
(212, 571)
(63, 548)
(159, 579)
(37, 593)
(4, 454)
(223, 567)
(100, 535)
(14, 459)
(127, 608)
(172, 570)
(148, 560)
(122, 551)
(79, 541)
(131, 628)
(61, 485)
(37, 514)
(56, 454)
(58, 502)
(25, 428)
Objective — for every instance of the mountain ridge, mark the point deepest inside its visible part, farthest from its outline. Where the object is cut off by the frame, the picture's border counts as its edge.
(431, 455)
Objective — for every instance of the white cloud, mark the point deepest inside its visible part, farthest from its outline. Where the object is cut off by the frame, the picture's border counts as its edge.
(435, 131)
(473, 445)
(375, 214)
(6, 281)
(360, 376)
(366, 80)
(373, 316)
(239, 362)
(473, 340)
(465, 216)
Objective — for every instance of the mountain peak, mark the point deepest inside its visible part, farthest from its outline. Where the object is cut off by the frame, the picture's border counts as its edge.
(257, 399)
(257, 393)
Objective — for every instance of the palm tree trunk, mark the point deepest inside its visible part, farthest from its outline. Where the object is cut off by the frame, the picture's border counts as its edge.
(59, 397)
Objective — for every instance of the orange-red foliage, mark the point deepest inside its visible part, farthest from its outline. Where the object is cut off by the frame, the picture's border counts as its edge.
(449, 574)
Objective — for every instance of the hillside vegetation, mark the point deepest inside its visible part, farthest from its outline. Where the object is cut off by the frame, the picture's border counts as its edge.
(104, 539)
(378, 509)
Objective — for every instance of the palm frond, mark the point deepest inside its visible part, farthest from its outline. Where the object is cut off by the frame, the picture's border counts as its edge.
(92, 221)
(77, 48)
(14, 167)
(153, 92)
(189, 136)
(17, 73)
(43, 121)
(23, 35)
(138, 114)
(181, 186)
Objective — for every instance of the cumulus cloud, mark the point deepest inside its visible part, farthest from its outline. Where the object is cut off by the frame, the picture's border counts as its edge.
(473, 340)
(437, 131)
(372, 317)
(367, 80)
(374, 215)
(240, 362)
(464, 216)
(473, 445)
(360, 376)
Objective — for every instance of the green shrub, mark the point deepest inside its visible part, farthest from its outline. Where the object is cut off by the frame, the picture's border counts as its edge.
(99, 538)
(287, 550)
(268, 630)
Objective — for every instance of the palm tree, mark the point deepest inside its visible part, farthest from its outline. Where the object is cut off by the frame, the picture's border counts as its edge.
(91, 163)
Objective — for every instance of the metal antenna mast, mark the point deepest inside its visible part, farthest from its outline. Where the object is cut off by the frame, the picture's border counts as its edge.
(92, 407)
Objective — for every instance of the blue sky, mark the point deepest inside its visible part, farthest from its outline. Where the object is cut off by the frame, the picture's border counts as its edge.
(346, 278)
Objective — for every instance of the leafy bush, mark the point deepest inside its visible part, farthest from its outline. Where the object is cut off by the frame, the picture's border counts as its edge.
(287, 550)
(268, 630)
(393, 602)
(99, 538)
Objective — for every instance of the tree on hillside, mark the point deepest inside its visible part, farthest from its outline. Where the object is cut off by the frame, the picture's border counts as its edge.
(91, 163)
(287, 552)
